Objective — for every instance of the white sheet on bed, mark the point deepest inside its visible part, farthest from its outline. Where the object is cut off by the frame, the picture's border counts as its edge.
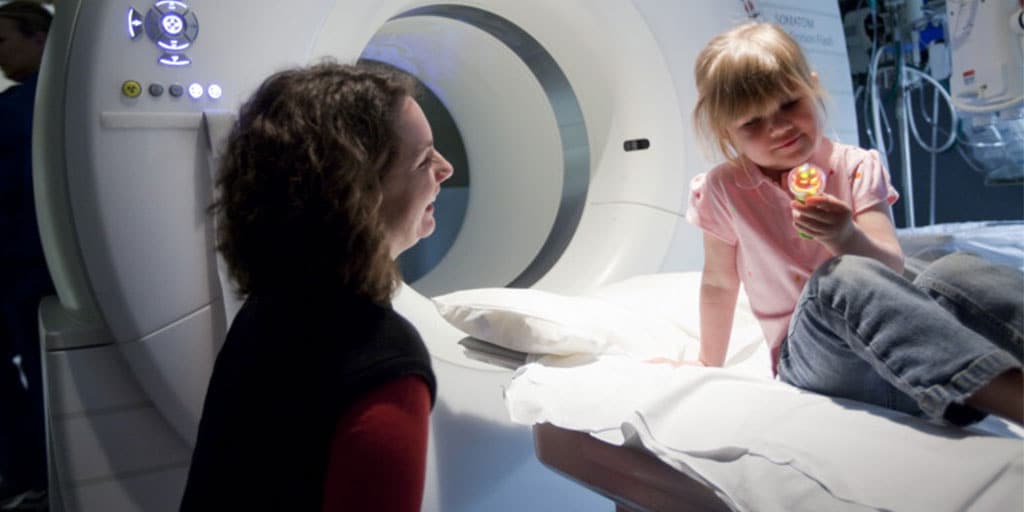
(764, 445)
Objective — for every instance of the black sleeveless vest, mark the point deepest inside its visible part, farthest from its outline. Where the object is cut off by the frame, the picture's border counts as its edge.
(287, 371)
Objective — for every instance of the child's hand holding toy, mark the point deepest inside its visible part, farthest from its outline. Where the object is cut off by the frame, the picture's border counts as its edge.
(806, 181)
(818, 215)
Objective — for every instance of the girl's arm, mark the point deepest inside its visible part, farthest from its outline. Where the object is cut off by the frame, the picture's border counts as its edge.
(719, 287)
(869, 233)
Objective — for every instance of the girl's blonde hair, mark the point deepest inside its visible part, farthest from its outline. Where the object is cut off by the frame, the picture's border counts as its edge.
(747, 71)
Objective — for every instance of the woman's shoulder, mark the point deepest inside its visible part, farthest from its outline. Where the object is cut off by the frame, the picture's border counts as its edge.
(270, 316)
(390, 345)
(393, 325)
(270, 329)
(359, 319)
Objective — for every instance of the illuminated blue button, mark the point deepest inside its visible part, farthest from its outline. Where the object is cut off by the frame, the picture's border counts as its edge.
(171, 6)
(171, 18)
(173, 28)
(135, 28)
(172, 24)
(195, 91)
(173, 45)
(174, 60)
(214, 91)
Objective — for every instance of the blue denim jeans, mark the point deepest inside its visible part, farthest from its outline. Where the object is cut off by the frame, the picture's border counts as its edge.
(862, 332)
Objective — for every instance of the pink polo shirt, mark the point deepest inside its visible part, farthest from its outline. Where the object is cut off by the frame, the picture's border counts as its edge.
(749, 211)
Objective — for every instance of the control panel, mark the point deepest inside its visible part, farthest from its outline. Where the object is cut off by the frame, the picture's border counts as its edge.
(172, 27)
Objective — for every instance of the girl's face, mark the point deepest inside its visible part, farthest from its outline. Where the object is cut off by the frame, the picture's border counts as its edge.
(412, 183)
(782, 139)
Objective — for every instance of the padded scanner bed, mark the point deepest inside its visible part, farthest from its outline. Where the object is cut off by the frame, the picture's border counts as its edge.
(640, 472)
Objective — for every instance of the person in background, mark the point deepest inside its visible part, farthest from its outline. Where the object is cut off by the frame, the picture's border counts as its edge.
(24, 278)
(824, 275)
(320, 396)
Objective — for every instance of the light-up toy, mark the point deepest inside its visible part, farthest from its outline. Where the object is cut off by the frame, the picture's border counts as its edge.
(806, 180)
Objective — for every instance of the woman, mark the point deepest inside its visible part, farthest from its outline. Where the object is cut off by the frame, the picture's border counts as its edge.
(321, 394)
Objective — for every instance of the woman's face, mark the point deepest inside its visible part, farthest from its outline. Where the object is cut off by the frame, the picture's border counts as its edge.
(412, 183)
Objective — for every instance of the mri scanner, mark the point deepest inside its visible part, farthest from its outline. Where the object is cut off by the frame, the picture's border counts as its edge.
(578, 152)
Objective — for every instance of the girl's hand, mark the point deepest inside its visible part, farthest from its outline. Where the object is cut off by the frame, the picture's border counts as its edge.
(825, 218)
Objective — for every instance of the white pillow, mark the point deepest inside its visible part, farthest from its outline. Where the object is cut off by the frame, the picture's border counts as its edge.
(654, 315)
(540, 322)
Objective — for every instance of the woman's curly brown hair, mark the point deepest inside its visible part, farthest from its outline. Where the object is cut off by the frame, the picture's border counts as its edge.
(298, 207)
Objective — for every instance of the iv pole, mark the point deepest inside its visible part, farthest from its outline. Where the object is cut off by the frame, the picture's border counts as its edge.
(902, 118)
(904, 127)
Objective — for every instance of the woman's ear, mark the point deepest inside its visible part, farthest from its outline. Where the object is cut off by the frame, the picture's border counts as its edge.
(814, 76)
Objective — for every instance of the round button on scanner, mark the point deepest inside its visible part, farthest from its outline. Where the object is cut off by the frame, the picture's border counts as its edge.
(156, 90)
(176, 90)
(172, 24)
(131, 88)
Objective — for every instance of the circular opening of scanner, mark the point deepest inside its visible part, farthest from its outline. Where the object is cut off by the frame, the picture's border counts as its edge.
(504, 103)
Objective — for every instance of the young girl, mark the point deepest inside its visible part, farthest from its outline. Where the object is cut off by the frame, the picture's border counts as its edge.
(823, 276)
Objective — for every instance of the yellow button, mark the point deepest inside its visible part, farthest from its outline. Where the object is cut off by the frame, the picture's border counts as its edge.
(131, 88)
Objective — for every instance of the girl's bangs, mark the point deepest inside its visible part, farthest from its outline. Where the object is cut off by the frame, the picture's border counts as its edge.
(755, 90)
